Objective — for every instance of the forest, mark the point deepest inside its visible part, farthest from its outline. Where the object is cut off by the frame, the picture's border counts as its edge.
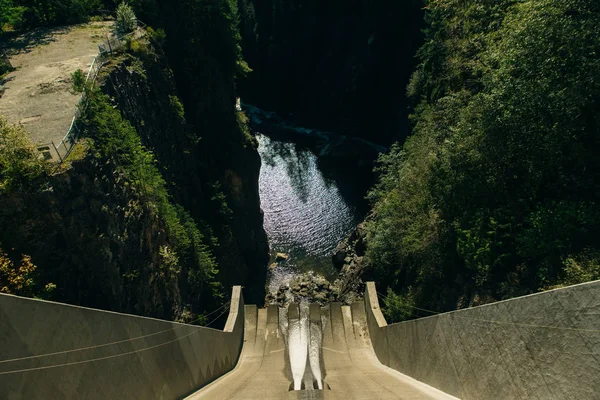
(491, 110)
(139, 218)
(495, 194)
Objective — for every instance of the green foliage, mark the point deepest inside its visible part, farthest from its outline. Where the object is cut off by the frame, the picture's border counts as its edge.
(147, 11)
(117, 142)
(125, 21)
(243, 126)
(582, 268)
(16, 278)
(157, 36)
(78, 78)
(178, 108)
(498, 185)
(185, 23)
(398, 307)
(55, 12)
(11, 16)
(139, 47)
(20, 163)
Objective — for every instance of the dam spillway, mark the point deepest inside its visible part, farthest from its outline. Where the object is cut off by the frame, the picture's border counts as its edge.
(542, 346)
(332, 342)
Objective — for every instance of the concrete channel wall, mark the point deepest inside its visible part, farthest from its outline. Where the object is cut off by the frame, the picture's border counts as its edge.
(543, 346)
(119, 356)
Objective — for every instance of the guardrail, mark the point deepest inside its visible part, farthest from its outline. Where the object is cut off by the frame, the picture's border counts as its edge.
(105, 50)
(67, 143)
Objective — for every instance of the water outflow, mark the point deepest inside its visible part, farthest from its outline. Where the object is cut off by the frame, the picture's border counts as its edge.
(306, 215)
(304, 340)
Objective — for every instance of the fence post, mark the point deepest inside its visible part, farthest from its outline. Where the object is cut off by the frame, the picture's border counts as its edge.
(109, 46)
(56, 149)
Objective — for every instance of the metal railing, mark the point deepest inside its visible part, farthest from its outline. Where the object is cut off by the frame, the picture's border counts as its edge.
(66, 144)
(106, 49)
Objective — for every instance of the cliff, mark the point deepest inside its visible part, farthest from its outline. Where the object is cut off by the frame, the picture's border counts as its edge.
(338, 66)
(139, 220)
(216, 182)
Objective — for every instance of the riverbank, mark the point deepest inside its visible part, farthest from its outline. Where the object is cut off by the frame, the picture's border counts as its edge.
(312, 188)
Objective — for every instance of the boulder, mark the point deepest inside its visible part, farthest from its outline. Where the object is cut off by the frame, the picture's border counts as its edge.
(281, 257)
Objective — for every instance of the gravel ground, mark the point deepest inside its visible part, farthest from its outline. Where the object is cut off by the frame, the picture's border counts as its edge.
(38, 93)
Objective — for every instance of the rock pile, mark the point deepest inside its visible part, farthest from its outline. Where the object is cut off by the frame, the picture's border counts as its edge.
(308, 286)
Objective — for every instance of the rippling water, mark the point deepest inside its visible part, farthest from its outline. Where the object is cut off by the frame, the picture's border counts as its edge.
(306, 215)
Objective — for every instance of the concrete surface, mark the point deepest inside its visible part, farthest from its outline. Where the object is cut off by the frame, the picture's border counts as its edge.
(170, 361)
(349, 366)
(38, 93)
(543, 346)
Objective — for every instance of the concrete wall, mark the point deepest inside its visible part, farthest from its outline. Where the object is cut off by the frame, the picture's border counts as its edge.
(506, 350)
(173, 361)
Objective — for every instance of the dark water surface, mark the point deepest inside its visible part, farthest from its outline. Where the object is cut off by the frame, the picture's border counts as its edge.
(307, 214)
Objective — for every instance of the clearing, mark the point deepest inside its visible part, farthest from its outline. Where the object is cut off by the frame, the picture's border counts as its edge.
(38, 93)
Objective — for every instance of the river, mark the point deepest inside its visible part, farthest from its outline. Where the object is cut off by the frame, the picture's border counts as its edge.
(306, 213)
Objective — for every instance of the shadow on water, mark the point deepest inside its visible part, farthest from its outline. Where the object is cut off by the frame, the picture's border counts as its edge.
(310, 204)
(297, 162)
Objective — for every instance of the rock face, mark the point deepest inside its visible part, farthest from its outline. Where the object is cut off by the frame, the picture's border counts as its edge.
(349, 258)
(352, 248)
(214, 181)
(314, 288)
(88, 234)
(340, 66)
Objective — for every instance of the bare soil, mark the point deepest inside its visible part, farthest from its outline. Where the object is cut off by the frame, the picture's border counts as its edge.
(38, 93)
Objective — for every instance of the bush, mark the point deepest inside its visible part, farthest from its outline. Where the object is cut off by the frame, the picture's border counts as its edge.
(137, 46)
(117, 142)
(157, 36)
(11, 17)
(57, 12)
(78, 78)
(20, 162)
(496, 191)
(16, 279)
(178, 108)
(398, 308)
(126, 21)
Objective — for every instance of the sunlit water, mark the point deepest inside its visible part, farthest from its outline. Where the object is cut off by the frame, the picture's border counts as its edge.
(306, 215)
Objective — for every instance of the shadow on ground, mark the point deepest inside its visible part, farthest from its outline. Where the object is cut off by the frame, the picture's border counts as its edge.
(25, 42)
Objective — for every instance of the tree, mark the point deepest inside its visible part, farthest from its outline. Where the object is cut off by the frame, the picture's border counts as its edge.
(126, 21)
(16, 278)
(20, 163)
(496, 192)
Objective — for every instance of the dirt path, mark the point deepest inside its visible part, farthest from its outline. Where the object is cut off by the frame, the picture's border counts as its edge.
(38, 93)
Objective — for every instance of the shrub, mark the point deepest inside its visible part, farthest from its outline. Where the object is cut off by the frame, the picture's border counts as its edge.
(157, 36)
(11, 17)
(20, 163)
(398, 307)
(58, 12)
(16, 279)
(116, 141)
(78, 78)
(137, 46)
(177, 107)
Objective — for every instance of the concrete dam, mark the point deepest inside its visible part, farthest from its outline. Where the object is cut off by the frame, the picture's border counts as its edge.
(542, 346)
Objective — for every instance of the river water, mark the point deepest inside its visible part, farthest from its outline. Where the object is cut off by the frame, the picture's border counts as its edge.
(306, 213)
